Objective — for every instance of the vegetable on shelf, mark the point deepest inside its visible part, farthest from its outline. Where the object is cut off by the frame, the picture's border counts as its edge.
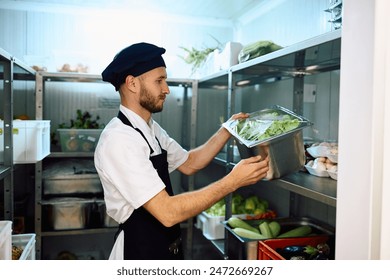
(252, 206)
(197, 57)
(248, 233)
(297, 232)
(83, 120)
(267, 229)
(295, 252)
(73, 140)
(235, 222)
(256, 49)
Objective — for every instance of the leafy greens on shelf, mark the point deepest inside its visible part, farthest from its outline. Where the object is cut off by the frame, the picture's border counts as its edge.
(265, 126)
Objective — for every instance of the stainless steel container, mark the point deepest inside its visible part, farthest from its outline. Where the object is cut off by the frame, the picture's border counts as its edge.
(240, 248)
(71, 177)
(286, 150)
(66, 213)
(286, 154)
(105, 220)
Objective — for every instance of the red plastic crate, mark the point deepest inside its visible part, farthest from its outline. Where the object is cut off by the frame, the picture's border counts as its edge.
(267, 248)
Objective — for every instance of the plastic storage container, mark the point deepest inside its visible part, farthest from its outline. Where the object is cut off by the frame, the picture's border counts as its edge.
(5, 240)
(26, 242)
(31, 140)
(268, 248)
(212, 226)
(79, 140)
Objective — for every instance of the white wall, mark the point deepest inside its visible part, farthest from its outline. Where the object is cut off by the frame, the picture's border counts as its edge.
(363, 186)
(50, 38)
(53, 38)
(284, 21)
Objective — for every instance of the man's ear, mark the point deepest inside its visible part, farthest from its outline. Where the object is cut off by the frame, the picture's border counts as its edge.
(131, 83)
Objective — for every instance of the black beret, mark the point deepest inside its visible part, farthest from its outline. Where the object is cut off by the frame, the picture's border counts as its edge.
(133, 60)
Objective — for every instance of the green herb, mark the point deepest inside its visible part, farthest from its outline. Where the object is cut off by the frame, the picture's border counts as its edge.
(83, 120)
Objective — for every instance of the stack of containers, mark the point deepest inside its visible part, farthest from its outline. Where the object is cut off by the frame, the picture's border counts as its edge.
(31, 140)
(72, 194)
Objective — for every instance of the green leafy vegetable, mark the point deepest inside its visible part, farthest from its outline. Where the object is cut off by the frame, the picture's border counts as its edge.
(267, 126)
(240, 205)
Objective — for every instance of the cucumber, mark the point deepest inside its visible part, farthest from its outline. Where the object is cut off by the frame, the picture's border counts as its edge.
(248, 233)
(265, 230)
(235, 222)
(274, 226)
(297, 232)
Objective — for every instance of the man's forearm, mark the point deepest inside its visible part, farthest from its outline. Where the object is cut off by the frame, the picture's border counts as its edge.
(201, 156)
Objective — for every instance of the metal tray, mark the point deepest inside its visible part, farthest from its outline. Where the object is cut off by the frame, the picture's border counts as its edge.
(240, 248)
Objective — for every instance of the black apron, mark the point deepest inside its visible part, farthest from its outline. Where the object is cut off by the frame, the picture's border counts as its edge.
(145, 238)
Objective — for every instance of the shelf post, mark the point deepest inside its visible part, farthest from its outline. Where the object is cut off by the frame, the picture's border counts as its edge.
(8, 139)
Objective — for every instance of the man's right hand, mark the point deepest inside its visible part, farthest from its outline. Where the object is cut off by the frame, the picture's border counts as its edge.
(249, 171)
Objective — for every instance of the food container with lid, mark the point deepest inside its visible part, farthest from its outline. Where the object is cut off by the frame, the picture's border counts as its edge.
(79, 140)
(71, 176)
(275, 132)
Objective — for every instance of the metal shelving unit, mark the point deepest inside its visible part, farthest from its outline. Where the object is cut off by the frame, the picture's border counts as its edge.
(317, 55)
(11, 69)
(41, 79)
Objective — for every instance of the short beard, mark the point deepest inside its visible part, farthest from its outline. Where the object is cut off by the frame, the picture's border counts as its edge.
(148, 101)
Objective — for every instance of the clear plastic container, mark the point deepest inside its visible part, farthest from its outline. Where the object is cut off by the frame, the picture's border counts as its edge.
(79, 140)
(26, 242)
(5, 240)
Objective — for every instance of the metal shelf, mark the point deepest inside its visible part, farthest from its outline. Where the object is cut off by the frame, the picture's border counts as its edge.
(79, 231)
(11, 69)
(316, 55)
(219, 244)
(70, 155)
(323, 190)
(4, 171)
(94, 78)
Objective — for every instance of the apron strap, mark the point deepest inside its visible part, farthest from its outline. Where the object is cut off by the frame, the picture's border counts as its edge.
(126, 121)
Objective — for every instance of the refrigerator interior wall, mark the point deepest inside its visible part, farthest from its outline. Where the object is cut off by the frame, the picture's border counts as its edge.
(212, 104)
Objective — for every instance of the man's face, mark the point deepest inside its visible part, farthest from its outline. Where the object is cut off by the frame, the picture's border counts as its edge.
(153, 90)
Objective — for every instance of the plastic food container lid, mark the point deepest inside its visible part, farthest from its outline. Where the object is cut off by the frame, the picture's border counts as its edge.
(264, 119)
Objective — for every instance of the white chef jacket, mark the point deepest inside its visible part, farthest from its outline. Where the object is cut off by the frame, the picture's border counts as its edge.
(127, 175)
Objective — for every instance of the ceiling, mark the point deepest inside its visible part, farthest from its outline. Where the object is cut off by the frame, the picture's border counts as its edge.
(217, 9)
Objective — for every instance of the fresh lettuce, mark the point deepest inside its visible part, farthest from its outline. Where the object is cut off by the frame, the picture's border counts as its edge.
(265, 126)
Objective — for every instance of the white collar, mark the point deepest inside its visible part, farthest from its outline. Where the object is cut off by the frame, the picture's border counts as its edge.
(136, 119)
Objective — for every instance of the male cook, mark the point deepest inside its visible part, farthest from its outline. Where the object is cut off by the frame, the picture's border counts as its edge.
(135, 155)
